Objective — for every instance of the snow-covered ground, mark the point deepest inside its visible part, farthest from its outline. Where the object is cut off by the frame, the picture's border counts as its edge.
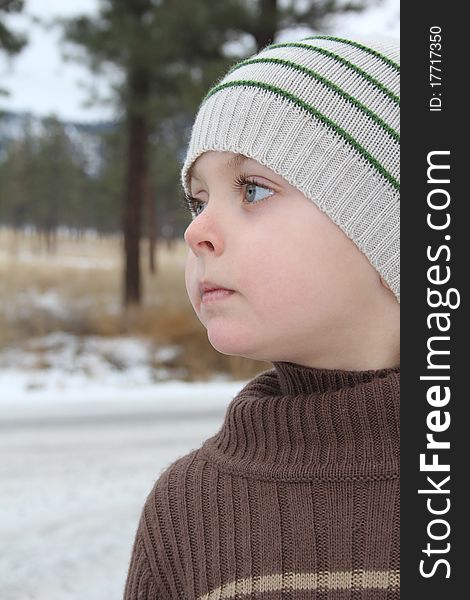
(90, 366)
(81, 449)
(74, 475)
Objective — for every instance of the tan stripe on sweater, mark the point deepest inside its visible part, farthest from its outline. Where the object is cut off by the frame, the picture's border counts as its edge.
(335, 580)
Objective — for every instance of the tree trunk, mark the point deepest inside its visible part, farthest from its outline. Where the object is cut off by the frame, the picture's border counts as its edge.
(138, 88)
(135, 188)
(267, 24)
(132, 210)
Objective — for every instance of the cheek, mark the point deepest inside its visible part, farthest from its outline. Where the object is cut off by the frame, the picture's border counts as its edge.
(283, 272)
(190, 277)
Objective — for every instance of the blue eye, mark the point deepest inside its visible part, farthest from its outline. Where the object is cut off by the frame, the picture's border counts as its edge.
(242, 181)
(194, 205)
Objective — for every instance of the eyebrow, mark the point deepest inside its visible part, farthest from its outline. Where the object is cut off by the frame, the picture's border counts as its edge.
(233, 163)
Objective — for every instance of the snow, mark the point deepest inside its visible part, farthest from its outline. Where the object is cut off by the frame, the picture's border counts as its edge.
(30, 300)
(61, 365)
(86, 428)
(78, 460)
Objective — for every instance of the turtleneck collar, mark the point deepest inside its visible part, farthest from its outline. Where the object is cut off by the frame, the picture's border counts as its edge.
(302, 423)
(298, 379)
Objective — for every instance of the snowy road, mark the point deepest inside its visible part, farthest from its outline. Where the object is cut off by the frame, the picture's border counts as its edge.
(73, 479)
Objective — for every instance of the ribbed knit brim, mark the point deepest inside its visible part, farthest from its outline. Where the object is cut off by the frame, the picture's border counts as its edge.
(324, 114)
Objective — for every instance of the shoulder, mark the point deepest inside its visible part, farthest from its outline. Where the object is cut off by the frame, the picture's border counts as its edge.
(174, 478)
(164, 525)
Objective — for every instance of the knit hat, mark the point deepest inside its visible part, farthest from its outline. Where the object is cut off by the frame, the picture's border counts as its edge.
(324, 114)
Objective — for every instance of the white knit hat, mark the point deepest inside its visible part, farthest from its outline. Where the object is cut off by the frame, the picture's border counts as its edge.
(324, 114)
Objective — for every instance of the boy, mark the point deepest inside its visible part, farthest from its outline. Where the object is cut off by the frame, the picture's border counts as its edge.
(292, 180)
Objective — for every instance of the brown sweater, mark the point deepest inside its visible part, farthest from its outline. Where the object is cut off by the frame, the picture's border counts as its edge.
(296, 496)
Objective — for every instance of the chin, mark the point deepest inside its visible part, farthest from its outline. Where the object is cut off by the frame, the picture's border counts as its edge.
(232, 341)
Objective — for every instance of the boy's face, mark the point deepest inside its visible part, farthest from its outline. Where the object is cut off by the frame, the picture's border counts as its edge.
(302, 290)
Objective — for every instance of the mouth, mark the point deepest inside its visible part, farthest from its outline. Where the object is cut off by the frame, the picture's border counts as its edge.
(210, 292)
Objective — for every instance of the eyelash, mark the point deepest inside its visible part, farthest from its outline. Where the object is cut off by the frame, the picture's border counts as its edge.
(240, 181)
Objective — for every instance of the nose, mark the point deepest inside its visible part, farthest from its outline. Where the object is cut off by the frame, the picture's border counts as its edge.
(204, 234)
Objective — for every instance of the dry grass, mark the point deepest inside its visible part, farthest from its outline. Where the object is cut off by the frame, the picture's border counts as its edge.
(77, 288)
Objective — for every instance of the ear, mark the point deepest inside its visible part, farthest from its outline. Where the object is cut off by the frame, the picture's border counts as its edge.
(385, 284)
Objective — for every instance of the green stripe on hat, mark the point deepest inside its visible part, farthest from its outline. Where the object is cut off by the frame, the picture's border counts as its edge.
(343, 61)
(332, 86)
(385, 59)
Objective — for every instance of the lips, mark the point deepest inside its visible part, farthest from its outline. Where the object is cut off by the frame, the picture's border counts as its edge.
(210, 286)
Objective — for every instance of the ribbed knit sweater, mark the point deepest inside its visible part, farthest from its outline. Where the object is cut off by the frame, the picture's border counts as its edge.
(296, 496)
